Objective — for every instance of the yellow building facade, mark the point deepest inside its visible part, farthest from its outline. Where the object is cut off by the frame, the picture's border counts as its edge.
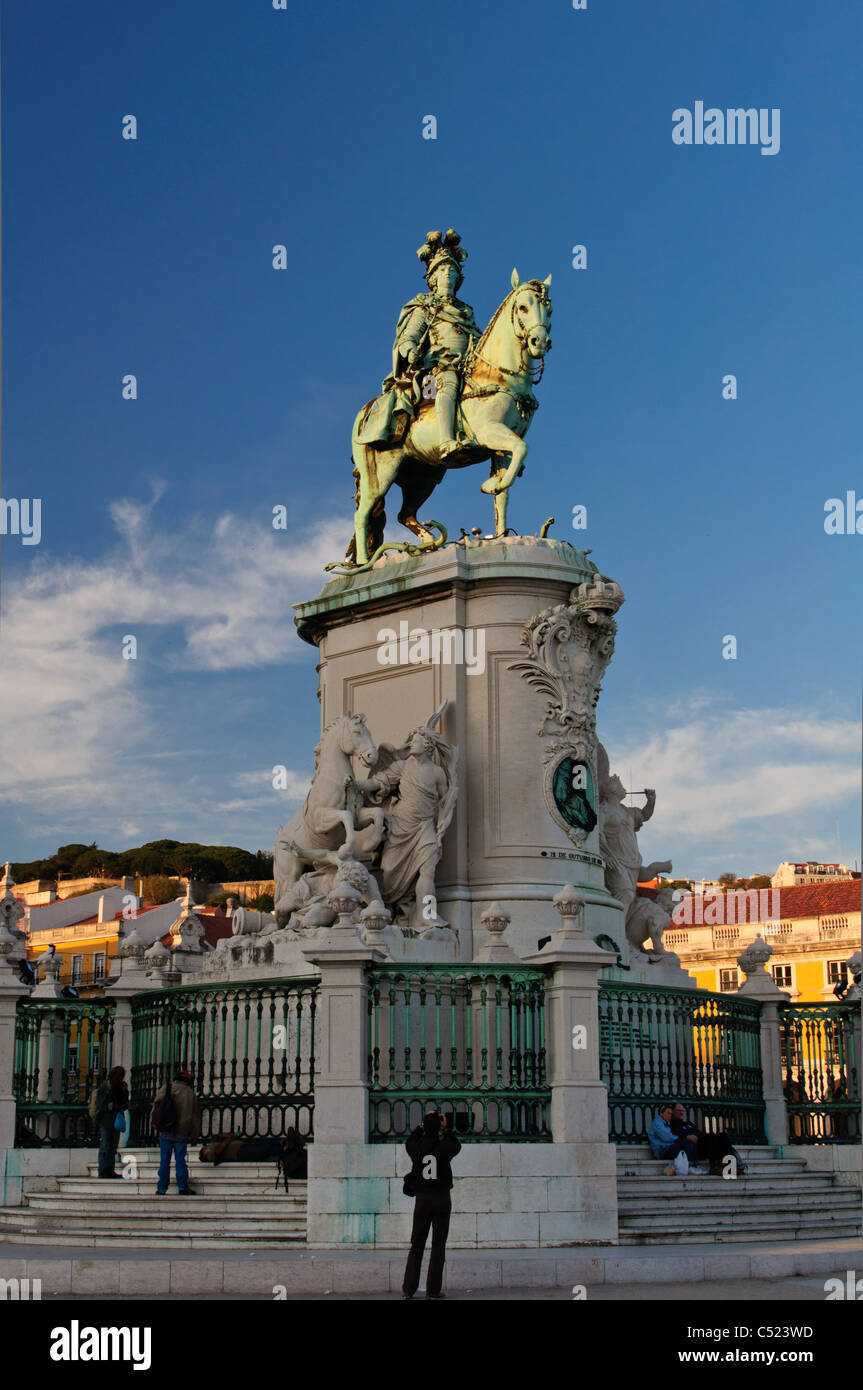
(813, 930)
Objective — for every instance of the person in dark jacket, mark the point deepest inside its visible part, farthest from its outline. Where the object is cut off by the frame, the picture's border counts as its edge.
(294, 1161)
(431, 1149)
(184, 1131)
(112, 1099)
(712, 1147)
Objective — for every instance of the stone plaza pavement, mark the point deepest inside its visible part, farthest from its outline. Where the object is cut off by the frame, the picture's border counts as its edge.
(65, 1271)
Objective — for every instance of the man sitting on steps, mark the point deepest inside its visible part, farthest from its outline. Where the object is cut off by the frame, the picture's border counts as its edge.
(665, 1144)
(715, 1148)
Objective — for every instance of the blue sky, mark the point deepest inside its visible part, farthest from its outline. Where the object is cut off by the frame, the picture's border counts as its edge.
(303, 127)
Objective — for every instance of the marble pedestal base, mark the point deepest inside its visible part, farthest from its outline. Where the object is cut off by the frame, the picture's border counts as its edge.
(502, 845)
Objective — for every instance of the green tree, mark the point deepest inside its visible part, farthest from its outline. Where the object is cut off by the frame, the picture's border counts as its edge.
(759, 881)
(96, 862)
(67, 854)
(158, 889)
(23, 872)
(193, 861)
(727, 880)
(218, 900)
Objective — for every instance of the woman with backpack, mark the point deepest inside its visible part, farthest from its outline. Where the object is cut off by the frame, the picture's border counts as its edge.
(108, 1108)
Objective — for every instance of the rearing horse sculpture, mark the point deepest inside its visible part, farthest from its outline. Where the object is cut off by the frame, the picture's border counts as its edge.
(333, 815)
(494, 413)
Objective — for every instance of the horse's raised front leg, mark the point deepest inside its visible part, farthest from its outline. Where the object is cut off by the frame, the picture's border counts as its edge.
(370, 827)
(502, 440)
(328, 817)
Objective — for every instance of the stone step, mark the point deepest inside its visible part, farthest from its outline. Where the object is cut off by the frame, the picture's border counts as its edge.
(128, 1202)
(689, 1189)
(753, 1151)
(728, 1236)
(780, 1201)
(181, 1223)
(791, 1219)
(757, 1168)
(145, 1182)
(149, 1162)
(134, 1240)
(121, 1239)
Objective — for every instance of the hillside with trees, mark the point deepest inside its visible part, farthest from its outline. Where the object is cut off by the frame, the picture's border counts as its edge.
(204, 863)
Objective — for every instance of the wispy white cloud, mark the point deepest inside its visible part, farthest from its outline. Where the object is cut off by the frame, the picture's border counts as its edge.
(753, 783)
(81, 725)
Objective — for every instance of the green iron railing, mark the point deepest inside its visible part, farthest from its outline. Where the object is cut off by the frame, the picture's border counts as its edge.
(62, 1051)
(701, 1049)
(820, 1073)
(250, 1048)
(466, 1039)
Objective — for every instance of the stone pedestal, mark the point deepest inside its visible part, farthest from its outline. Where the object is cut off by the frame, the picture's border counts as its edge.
(762, 987)
(503, 845)
(579, 1099)
(11, 991)
(341, 1082)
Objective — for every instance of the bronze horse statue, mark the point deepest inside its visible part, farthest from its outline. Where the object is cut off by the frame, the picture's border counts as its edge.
(494, 413)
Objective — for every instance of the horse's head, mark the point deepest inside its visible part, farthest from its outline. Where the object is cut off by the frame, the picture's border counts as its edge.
(355, 739)
(530, 315)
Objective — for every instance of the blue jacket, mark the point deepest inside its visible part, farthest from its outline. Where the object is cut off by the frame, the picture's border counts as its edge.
(659, 1136)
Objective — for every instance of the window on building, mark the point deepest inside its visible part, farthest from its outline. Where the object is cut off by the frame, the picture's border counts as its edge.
(836, 972)
(782, 976)
(77, 974)
(99, 965)
(728, 980)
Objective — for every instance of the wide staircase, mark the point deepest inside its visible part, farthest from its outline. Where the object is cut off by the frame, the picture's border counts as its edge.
(777, 1199)
(238, 1206)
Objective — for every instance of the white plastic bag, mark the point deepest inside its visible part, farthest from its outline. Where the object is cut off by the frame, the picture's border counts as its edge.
(681, 1164)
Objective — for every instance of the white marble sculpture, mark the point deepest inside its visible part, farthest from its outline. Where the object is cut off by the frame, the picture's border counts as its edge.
(569, 647)
(645, 919)
(13, 942)
(307, 900)
(386, 843)
(334, 813)
(418, 787)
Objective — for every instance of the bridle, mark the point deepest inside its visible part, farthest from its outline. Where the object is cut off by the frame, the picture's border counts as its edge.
(533, 374)
(507, 379)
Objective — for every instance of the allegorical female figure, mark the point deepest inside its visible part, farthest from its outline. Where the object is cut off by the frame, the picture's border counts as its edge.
(418, 790)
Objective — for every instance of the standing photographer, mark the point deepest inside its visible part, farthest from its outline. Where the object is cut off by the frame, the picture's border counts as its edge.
(430, 1148)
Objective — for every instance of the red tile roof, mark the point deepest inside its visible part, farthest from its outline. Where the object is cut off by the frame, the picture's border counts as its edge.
(783, 904)
(820, 899)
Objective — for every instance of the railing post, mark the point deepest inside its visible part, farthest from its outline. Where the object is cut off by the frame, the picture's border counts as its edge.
(579, 1099)
(10, 992)
(341, 1077)
(762, 987)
